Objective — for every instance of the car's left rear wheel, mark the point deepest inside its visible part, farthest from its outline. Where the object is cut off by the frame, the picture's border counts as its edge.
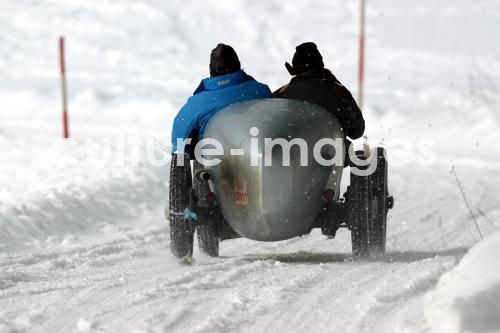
(181, 225)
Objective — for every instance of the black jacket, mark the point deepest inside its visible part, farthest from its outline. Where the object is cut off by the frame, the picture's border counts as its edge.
(321, 87)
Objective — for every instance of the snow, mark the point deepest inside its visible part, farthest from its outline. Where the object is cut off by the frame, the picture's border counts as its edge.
(467, 299)
(84, 325)
(84, 191)
(83, 241)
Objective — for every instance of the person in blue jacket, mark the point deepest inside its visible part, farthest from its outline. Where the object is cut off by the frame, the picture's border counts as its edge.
(227, 84)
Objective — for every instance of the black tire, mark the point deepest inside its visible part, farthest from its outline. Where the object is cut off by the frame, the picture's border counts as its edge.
(208, 240)
(359, 215)
(378, 210)
(201, 188)
(208, 235)
(181, 229)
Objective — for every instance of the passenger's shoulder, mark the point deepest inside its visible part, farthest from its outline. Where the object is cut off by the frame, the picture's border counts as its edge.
(281, 90)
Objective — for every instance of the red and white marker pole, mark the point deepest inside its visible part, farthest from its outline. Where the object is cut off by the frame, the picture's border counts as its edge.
(64, 88)
(361, 69)
(361, 62)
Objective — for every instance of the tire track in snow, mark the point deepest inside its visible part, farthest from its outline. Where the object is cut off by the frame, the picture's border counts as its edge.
(303, 281)
(401, 295)
(278, 286)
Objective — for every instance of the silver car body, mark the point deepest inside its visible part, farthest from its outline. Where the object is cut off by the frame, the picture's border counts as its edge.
(272, 203)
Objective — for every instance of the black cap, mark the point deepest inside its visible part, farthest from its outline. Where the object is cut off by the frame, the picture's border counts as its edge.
(223, 60)
(306, 57)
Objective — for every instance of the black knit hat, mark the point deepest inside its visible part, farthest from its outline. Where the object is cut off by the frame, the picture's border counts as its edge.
(223, 60)
(306, 57)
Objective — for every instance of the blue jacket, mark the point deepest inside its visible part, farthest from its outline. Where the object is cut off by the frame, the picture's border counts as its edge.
(213, 94)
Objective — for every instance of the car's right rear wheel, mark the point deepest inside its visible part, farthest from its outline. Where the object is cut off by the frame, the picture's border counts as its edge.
(359, 215)
(369, 203)
(378, 193)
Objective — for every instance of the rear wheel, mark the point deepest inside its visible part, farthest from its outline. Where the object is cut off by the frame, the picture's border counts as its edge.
(208, 240)
(358, 215)
(207, 231)
(368, 206)
(181, 226)
(379, 200)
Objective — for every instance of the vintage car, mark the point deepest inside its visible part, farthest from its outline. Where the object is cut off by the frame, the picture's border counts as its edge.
(274, 173)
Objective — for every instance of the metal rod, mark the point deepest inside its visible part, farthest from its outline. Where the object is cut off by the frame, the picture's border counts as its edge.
(62, 66)
(466, 202)
(361, 61)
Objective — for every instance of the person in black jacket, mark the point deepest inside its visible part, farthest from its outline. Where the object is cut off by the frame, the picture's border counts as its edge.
(312, 82)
